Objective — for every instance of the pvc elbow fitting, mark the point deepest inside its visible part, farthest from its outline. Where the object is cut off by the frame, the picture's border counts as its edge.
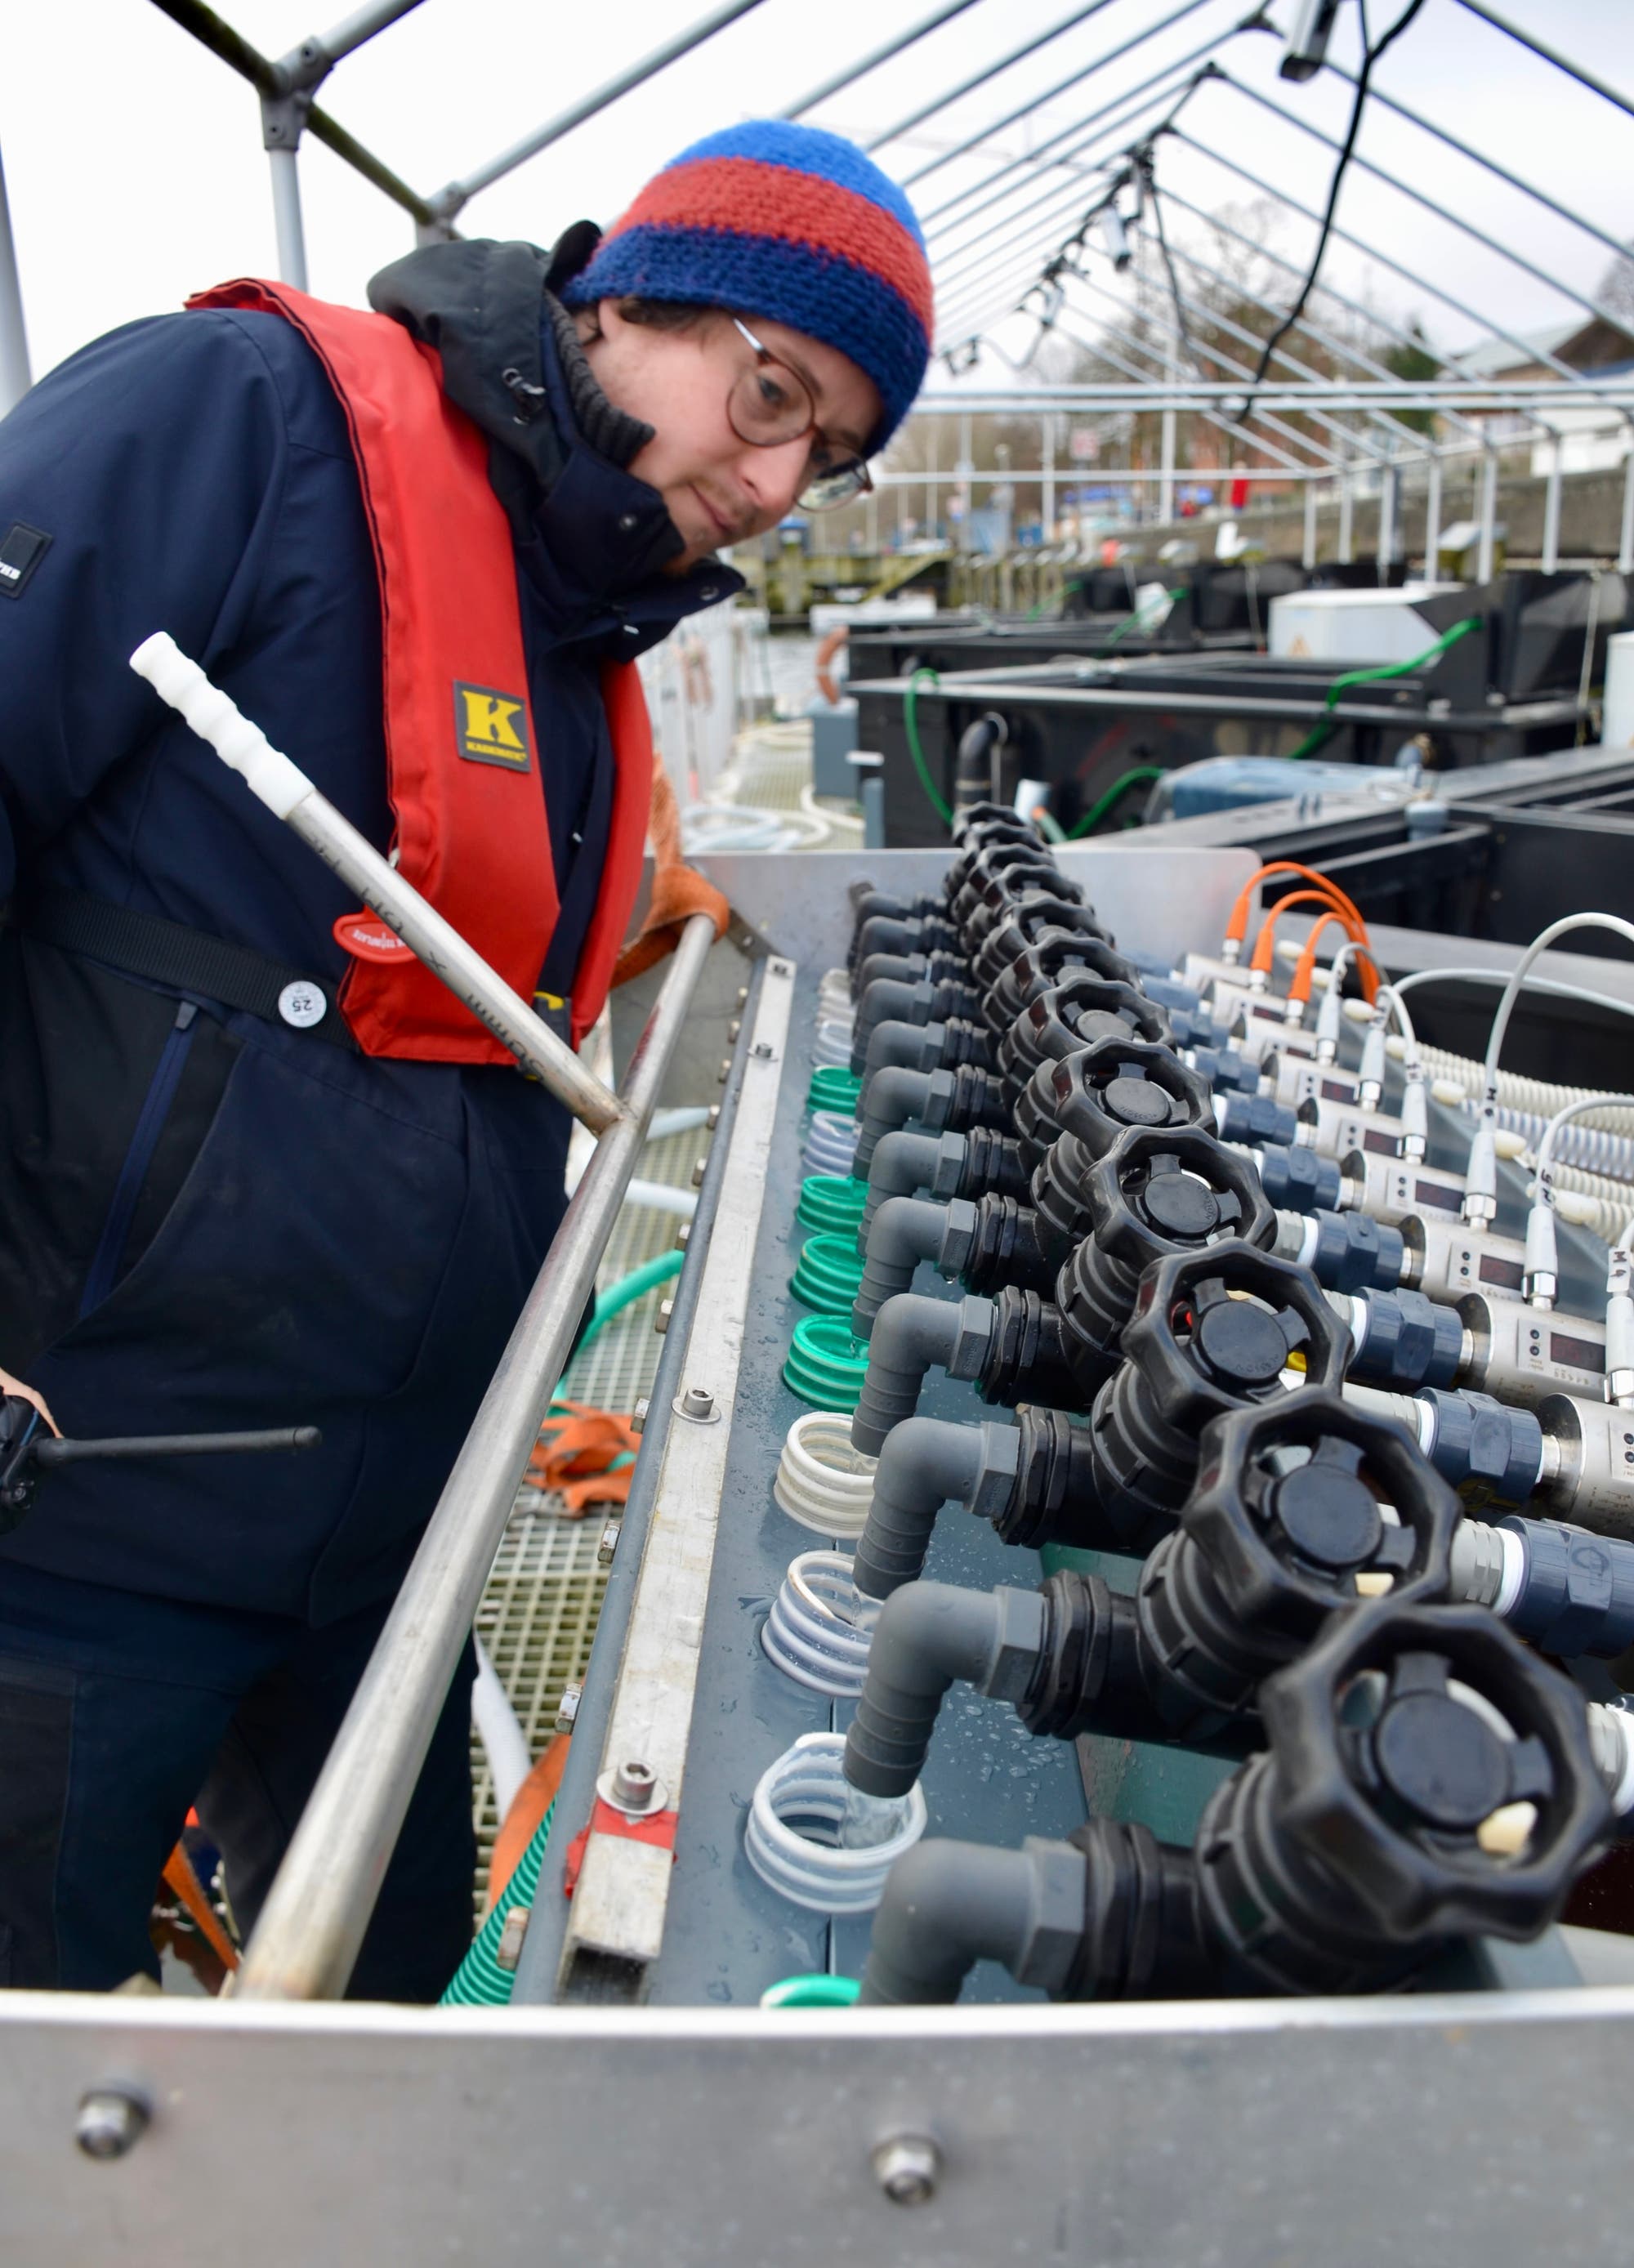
(903, 1232)
(931, 1636)
(891, 1097)
(947, 1905)
(899, 967)
(902, 1164)
(925, 1463)
(911, 1047)
(911, 1336)
(888, 999)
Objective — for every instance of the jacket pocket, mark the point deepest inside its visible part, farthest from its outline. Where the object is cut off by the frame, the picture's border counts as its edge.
(110, 1252)
(103, 1107)
(290, 1283)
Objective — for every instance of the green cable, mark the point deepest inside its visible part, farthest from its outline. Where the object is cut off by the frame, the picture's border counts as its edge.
(910, 726)
(1103, 805)
(1323, 732)
(628, 1288)
(480, 1982)
(813, 1992)
(1129, 620)
(1049, 827)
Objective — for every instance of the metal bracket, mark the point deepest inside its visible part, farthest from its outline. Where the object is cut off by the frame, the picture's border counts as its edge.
(621, 1896)
(299, 75)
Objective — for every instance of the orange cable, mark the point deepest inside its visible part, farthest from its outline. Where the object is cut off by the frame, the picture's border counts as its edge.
(1305, 967)
(1237, 926)
(1264, 944)
(1344, 911)
(1304, 970)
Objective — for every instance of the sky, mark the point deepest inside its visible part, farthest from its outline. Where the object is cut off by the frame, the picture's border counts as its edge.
(136, 174)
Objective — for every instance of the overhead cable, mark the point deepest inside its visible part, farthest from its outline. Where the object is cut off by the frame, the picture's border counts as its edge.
(1371, 54)
(1456, 220)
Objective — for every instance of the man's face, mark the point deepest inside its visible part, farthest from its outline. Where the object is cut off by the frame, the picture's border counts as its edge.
(718, 488)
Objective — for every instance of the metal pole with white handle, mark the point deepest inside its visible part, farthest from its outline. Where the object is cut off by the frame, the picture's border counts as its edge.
(286, 791)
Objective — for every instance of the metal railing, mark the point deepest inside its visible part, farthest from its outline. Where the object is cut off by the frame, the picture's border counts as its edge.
(306, 1941)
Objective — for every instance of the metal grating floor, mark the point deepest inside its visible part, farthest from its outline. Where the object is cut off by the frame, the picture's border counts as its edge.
(539, 1612)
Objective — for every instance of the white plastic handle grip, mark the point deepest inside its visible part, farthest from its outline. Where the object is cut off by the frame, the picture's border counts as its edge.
(278, 783)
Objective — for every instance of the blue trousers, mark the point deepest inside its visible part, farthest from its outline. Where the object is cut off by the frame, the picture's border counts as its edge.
(118, 1711)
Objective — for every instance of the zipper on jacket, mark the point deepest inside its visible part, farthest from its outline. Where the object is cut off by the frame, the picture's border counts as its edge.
(149, 1125)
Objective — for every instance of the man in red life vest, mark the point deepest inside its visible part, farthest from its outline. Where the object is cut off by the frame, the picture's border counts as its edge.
(247, 1178)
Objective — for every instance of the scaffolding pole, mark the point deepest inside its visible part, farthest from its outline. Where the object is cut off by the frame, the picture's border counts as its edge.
(873, 60)
(1442, 212)
(1486, 551)
(988, 72)
(287, 217)
(15, 377)
(1035, 103)
(1551, 505)
(1532, 353)
(451, 200)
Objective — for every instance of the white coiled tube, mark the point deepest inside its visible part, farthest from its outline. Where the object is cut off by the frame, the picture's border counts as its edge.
(1592, 1147)
(830, 1143)
(823, 1481)
(1538, 1096)
(833, 1042)
(834, 997)
(1605, 1217)
(1610, 1189)
(810, 1635)
(805, 1862)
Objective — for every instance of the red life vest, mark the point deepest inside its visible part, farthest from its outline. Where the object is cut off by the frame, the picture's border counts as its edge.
(463, 749)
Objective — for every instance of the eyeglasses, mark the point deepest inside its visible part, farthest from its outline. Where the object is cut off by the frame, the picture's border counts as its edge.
(771, 404)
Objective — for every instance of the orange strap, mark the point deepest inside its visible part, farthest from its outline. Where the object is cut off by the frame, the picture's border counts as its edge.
(573, 1454)
(179, 1876)
(679, 891)
(521, 1822)
(658, 1827)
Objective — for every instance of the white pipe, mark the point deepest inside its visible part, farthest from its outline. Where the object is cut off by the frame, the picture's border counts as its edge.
(685, 1120)
(662, 1198)
(505, 1743)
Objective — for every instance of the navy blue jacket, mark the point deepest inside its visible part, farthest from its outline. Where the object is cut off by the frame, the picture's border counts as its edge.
(207, 1220)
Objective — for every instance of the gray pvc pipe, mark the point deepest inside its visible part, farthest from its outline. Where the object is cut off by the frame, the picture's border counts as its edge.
(905, 968)
(891, 1097)
(912, 1334)
(925, 1463)
(947, 1905)
(902, 1164)
(913, 1047)
(884, 933)
(931, 1636)
(904, 1232)
(888, 1000)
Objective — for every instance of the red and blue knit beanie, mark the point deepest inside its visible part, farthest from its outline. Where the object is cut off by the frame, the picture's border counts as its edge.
(790, 223)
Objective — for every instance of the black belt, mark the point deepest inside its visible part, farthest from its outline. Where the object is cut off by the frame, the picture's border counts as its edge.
(183, 960)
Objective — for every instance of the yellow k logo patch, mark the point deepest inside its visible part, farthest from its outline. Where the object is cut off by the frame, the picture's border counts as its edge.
(492, 728)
